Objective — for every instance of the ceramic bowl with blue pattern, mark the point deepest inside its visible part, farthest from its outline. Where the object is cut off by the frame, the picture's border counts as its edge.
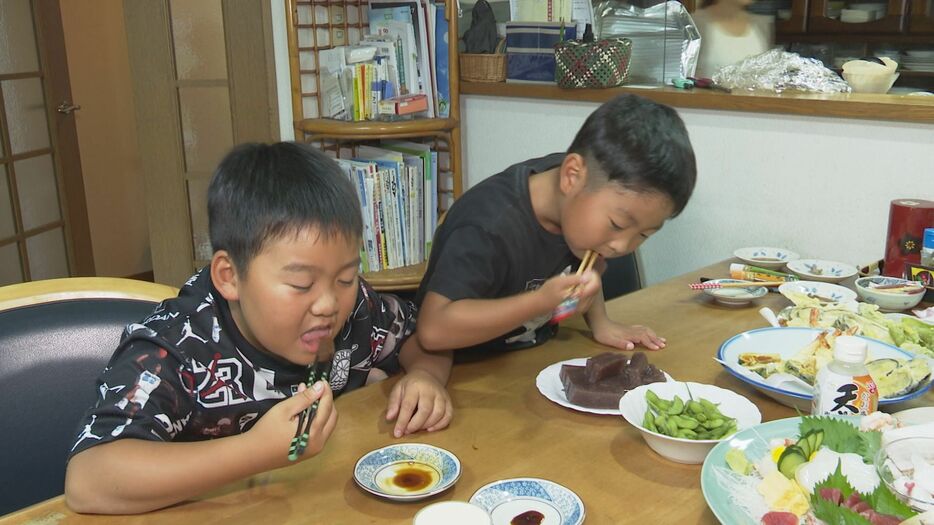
(765, 256)
(825, 271)
(407, 471)
(548, 501)
(823, 292)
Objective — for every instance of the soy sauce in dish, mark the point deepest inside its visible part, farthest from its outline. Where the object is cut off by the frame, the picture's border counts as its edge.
(530, 517)
(412, 478)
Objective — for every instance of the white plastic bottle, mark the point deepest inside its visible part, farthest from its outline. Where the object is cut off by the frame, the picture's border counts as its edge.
(844, 387)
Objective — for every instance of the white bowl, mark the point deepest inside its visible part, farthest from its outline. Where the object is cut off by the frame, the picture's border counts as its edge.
(824, 292)
(887, 300)
(870, 83)
(451, 513)
(824, 271)
(735, 296)
(765, 256)
(693, 451)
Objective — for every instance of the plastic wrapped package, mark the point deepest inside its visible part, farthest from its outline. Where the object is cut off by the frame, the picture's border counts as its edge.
(779, 71)
(665, 42)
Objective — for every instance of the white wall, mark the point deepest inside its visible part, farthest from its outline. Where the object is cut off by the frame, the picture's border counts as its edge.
(818, 186)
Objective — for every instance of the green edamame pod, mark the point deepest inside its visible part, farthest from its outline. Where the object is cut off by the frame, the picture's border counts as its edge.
(649, 421)
(677, 406)
(687, 422)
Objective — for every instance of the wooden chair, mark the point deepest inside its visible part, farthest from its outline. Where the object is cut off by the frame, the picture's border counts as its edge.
(56, 336)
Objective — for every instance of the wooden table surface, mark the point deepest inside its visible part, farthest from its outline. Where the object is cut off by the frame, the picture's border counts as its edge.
(502, 428)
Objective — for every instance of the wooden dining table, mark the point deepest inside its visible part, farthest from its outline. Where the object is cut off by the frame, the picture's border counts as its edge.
(503, 427)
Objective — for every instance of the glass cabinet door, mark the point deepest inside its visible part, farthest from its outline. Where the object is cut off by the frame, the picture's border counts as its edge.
(922, 17)
(858, 16)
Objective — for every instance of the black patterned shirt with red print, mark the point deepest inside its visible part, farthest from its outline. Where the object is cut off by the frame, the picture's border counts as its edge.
(185, 373)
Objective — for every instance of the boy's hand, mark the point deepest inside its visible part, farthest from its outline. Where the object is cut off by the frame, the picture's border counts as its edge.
(561, 287)
(418, 401)
(627, 337)
(591, 283)
(277, 427)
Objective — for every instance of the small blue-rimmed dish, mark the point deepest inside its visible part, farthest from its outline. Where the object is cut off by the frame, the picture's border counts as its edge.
(823, 292)
(507, 499)
(734, 296)
(825, 271)
(765, 256)
(407, 471)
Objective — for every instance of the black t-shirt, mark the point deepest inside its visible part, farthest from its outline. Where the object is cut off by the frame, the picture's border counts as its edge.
(490, 246)
(185, 373)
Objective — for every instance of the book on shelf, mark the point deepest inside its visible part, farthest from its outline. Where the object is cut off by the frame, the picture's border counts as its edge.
(442, 77)
(403, 58)
(396, 183)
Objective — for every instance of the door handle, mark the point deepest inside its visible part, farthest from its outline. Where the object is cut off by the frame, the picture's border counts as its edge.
(66, 108)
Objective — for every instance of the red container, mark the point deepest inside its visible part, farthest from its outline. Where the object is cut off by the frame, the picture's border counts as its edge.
(907, 220)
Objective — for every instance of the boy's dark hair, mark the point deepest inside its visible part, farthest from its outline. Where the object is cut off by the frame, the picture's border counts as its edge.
(263, 192)
(641, 145)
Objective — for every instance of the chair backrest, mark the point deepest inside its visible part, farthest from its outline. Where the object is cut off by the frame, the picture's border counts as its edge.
(622, 276)
(56, 337)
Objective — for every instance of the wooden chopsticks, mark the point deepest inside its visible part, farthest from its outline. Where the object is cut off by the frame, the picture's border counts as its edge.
(587, 262)
(747, 284)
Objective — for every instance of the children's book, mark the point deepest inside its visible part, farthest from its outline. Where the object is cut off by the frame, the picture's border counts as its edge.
(441, 63)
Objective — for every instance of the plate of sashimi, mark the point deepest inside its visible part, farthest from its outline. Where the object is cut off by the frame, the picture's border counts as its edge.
(833, 470)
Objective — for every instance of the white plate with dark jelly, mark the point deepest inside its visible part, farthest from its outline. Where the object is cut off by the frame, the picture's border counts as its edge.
(549, 384)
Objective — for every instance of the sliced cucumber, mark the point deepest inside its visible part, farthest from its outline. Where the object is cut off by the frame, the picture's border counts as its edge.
(814, 439)
(792, 458)
(805, 445)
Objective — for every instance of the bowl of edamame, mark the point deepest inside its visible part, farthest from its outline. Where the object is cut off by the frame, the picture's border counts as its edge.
(683, 421)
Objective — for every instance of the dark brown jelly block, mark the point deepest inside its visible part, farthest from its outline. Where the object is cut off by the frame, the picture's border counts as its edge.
(565, 370)
(639, 360)
(607, 364)
(603, 394)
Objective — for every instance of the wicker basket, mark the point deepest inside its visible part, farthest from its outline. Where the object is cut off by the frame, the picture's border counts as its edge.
(483, 67)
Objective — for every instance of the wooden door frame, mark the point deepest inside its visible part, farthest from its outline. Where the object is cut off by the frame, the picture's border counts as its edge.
(64, 135)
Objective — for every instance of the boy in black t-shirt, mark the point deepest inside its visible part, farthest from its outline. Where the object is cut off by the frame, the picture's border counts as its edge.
(207, 389)
(500, 261)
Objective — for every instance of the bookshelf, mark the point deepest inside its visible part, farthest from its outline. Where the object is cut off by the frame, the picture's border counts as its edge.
(319, 25)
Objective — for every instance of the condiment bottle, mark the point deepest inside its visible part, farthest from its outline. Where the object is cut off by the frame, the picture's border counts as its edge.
(927, 250)
(844, 386)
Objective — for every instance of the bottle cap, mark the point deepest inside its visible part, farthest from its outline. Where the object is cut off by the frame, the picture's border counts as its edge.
(850, 349)
(929, 238)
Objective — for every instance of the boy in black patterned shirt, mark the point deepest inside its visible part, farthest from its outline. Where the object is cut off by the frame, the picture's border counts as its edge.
(213, 380)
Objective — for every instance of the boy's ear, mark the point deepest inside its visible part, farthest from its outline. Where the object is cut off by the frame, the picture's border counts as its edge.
(224, 275)
(573, 173)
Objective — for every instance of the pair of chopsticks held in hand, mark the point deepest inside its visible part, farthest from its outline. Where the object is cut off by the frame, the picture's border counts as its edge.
(569, 305)
(303, 427)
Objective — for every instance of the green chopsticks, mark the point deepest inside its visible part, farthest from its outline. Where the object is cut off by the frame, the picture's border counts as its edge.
(300, 441)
